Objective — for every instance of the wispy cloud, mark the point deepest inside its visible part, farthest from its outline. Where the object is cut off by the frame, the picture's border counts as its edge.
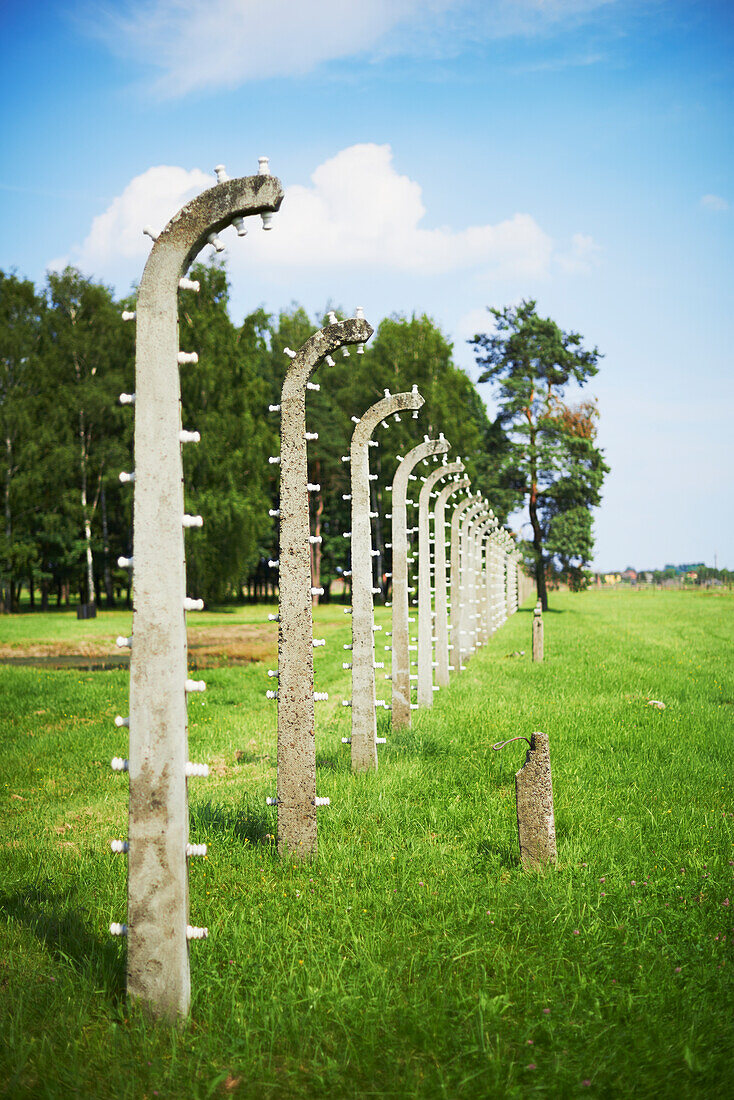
(203, 45)
(714, 202)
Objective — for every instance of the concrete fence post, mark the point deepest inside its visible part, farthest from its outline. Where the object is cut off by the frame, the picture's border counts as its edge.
(467, 583)
(455, 577)
(442, 620)
(401, 698)
(157, 846)
(364, 719)
(538, 632)
(535, 819)
(296, 791)
(426, 628)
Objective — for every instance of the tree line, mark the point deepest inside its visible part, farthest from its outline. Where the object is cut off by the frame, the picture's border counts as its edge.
(66, 355)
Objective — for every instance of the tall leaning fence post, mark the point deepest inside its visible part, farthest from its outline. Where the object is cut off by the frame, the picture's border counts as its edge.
(157, 926)
(296, 790)
(426, 614)
(401, 700)
(364, 719)
(442, 604)
(536, 825)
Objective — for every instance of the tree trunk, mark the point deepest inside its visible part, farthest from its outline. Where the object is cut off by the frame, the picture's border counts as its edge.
(538, 552)
(8, 597)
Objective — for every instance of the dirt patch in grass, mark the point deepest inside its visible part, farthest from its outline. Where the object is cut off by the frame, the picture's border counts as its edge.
(208, 646)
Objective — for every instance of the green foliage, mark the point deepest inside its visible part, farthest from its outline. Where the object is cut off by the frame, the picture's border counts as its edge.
(550, 455)
(414, 957)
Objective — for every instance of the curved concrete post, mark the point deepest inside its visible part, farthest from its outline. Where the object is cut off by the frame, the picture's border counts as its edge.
(490, 580)
(473, 579)
(455, 581)
(466, 580)
(364, 720)
(480, 625)
(400, 637)
(425, 610)
(296, 798)
(496, 580)
(442, 621)
(158, 824)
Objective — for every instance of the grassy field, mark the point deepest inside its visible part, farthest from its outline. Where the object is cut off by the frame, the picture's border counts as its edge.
(414, 958)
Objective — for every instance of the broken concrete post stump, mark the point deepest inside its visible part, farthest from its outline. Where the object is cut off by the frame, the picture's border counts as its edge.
(534, 790)
(538, 632)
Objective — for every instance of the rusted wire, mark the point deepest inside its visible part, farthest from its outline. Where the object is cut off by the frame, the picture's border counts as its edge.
(501, 744)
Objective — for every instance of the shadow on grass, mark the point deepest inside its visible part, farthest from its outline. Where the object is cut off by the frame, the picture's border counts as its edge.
(63, 930)
(415, 743)
(334, 762)
(250, 824)
(494, 855)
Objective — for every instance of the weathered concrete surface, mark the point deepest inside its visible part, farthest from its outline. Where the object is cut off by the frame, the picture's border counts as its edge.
(538, 632)
(534, 789)
(364, 719)
(296, 734)
(400, 608)
(455, 578)
(425, 610)
(481, 634)
(158, 904)
(442, 619)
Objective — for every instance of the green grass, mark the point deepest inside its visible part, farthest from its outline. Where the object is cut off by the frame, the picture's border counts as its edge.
(415, 958)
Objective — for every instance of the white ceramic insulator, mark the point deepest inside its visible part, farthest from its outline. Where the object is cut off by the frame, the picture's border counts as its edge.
(347, 573)
(273, 563)
(346, 702)
(118, 764)
(348, 611)
(321, 801)
(376, 626)
(196, 849)
(267, 220)
(192, 521)
(436, 687)
(273, 672)
(119, 847)
(375, 553)
(346, 496)
(379, 664)
(356, 420)
(193, 933)
(396, 417)
(122, 723)
(150, 232)
(239, 224)
(128, 315)
(388, 647)
(413, 676)
(346, 664)
(346, 458)
(127, 398)
(372, 477)
(189, 437)
(263, 166)
(271, 800)
(346, 534)
(310, 435)
(333, 319)
(360, 349)
(313, 386)
(187, 357)
(121, 641)
(126, 477)
(382, 740)
(193, 605)
(215, 242)
(271, 695)
(273, 408)
(414, 706)
(316, 642)
(347, 645)
(118, 929)
(313, 488)
(376, 591)
(274, 618)
(274, 460)
(321, 696)
(317, 591)
(189, 284)
(198, 771)
(195, 685)
(329, 361)
(274, 512)
(345, 351)
(412, 648)
(221, 173)
(346, 740)
(290, 353)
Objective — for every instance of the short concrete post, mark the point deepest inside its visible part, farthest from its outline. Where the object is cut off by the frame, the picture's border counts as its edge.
(425, 609)
(538, 632)
(455, 579)
(364, 720)
(296, 797)
(157, 845)
(534, 789)
(442, 620)
(401, 700)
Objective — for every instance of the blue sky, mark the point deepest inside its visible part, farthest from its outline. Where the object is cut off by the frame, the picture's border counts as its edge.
(439, 156)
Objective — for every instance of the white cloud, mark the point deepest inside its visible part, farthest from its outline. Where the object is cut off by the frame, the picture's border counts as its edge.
(357, 213)
(204, 44)
(582, 256)
(117, 236)
(714, 202)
